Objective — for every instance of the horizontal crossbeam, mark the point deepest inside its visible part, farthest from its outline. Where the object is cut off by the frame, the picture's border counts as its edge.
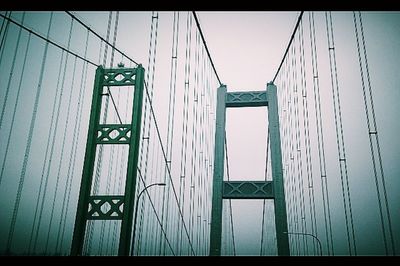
(113, 134)
(248, 190)
(105, 208)
(246, 99)
(119, 77)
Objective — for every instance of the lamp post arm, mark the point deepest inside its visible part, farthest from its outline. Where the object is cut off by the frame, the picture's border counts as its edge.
(307, 234)
(141, 192)
(319, 243)
(136, 210)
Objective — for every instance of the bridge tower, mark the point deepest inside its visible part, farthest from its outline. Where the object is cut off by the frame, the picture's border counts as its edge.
(120, 206)
(248, 189)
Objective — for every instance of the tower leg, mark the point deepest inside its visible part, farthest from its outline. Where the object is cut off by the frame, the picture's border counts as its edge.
(277, 174)
(216, 212)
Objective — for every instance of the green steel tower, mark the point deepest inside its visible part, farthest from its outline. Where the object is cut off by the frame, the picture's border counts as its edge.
(121, 206)
(248, 189)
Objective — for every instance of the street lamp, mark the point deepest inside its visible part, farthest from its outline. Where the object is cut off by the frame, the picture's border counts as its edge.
(306, 234)
(136, 210)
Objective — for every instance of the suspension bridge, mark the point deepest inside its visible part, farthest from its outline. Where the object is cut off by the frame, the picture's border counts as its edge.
(139, 150)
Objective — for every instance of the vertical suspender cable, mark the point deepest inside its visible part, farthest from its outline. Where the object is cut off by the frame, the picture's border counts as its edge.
(320, 138)
(169, 171)
(15, 107)
(47, 157)
(52, 145)
(340, 138)
(157, 217)
(307, 142)
(50, 157)
(264, 201)
(5, 34)
(28, 145)
(77, 127)
(150, 80)
(146, 130)
(171, 107)
(185, 114)
(292, 148)
(4, 28)
(193, 176)
(63, 144)
(299, 174)
(373, 134)
(11, 73)
(95, 186)
(6, 95)
(111, 159)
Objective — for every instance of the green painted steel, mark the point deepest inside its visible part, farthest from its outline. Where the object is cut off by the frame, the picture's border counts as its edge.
(246, 99)
(87, 173)
(277, 173)
(105, 131)
(248, 190)
(119, 77)
(216, 211)
(101, 134)
(97, 213)
(130, 184)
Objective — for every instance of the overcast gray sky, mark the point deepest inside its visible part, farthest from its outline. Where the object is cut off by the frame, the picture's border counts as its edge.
(246, 48)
